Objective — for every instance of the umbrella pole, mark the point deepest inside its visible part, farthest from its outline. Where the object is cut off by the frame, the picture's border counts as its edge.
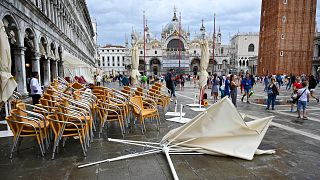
(121, 158)
(173, 170)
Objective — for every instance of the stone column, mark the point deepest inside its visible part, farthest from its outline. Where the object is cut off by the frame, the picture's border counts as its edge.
(54, 69)
(20, 65)
(47, 72)
(36, 65)
(60, 69)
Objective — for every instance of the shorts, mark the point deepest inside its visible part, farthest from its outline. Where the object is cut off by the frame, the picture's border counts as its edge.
(246, 90)
(302, 105)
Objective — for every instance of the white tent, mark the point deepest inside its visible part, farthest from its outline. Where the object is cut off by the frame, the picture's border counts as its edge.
(135, 74)
(73, 66)
(220, 130)
(8, 84)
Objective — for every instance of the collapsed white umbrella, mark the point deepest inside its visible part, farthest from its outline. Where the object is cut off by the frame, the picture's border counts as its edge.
(8, 84)
(220, 130)
(135, 74)
(203, 75)
(204, 63)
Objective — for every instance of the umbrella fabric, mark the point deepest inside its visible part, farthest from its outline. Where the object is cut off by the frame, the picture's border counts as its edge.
(8, 84)
(221, 130)
(135, 74)
(204, 62)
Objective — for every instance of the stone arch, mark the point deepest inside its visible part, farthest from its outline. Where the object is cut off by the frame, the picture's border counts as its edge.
(155, 66)
(142, 65)
(195, 66)
(13, 32)
(251, 48)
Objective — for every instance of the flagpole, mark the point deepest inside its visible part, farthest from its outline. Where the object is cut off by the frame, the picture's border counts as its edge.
(179, 43)
(144, 41)
(213, 40)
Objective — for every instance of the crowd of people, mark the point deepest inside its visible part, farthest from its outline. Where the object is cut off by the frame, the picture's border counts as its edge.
(302, 87)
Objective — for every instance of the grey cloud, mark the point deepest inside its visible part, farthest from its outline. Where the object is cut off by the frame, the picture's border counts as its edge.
(116, 18)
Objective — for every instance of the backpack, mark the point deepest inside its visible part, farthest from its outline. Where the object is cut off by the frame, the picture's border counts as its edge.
(167, 78)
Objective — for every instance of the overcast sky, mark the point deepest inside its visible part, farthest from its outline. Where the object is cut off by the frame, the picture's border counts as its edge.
(115, 18)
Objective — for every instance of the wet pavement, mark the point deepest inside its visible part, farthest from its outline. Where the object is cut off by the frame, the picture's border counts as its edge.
(297, 147)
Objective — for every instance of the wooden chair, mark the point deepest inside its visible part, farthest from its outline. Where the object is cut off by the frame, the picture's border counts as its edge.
(110, 113)
(138, 109)
(24, 126)
(64, 126)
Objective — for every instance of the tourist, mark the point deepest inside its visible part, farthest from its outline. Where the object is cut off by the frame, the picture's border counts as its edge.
(247, 87)
(144, 80)
(227, 86)
(170, 82)
(182, 81)
(266, 82)
(98, 80)
(312, 86)
(233, 89)
(296, 86)
(215, 87)
(303, 95)
(35, 88)
(272, 92)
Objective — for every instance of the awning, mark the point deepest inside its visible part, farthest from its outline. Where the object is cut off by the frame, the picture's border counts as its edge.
(73, 66)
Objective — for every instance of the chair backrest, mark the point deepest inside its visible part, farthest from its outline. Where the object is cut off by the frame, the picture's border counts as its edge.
(13, 126)
(138, 93)
(139, 89)
(77, 85)
(21, 106)
(127, 88)
(137, 100)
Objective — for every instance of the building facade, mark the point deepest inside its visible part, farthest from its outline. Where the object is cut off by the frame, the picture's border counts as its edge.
(286, 36)
(316, 56)
(244, 46)
(112, 59)
(178, 50)
(47, 36)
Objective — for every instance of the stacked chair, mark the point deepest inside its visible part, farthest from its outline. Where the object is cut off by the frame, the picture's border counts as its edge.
(70, 110)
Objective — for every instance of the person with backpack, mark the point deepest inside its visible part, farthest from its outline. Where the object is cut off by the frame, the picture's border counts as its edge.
(215, 87)
(247, 84)
(144, 80)
(312, 87)
(170, 82)
(303, 96)
(233, 89)
(272, 92)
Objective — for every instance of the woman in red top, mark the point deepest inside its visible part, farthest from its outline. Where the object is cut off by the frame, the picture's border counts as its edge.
(296, 86)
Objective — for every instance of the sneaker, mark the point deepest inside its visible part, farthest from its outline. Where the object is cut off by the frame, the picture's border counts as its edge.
(305, 118)
(298, 117)
(248, 102)
(267, 108)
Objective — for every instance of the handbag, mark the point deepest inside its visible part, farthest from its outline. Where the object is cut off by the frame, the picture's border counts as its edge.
(270, 92)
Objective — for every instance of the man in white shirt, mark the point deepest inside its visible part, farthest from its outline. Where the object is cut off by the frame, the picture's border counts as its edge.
(35, 88)
(302, 101)
(98, 79)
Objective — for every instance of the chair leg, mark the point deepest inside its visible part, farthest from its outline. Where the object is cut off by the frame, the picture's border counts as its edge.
(83, 147)
(16, 139)
(38, 137)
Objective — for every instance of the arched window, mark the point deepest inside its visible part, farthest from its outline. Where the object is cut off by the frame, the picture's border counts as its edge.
(240, 63)
(243, 63)
(251, 48)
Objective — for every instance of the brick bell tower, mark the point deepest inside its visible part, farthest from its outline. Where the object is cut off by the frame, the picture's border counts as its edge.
(287, 29)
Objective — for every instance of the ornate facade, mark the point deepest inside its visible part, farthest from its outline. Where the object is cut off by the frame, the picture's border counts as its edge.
(46, 34)
(178, 50)
(244, 47)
